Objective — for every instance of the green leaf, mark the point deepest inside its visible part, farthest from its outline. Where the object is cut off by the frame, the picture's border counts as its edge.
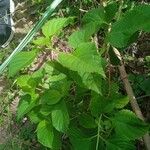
(28, 83)
(92, 81)
(20, 61)
(83, 35)
(84, 59)
(51, 97)
(119, 143)
(124, 30)
(22, 82)
(95, 105)
(95, 15)
(60, 117)
(54, 26)
(100, 104)
(120, 101)
(110, 11)
(145, 86)
(42, 41)
(46, 109)
(108, 101)
(78, 139)
(80, 144)
(35, 116)
(23, 105)
(57, 145)
(128, 126)
(87, 121)
(45, 134)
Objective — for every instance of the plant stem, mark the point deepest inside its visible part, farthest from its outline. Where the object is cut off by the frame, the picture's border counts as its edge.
(98, 132)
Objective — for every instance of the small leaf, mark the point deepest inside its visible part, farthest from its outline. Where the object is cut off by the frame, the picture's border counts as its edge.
(87, 121)
(95, 15)
(23, 105)
(107, 103)
(35, 116)
(127, 125)
(22, 82)
(54, 26)
(121, 101)
(83, 35)
(42, 41)
(46, 109)
(60, 117)
(51, 97)
(100, 104)
(45, 134)
(20, 61)
(110, 11)
(28, 83)
(92, 81)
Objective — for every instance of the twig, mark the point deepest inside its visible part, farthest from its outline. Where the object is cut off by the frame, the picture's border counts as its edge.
(143, 96)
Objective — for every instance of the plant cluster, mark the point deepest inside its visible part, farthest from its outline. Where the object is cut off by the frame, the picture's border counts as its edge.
(74, 98)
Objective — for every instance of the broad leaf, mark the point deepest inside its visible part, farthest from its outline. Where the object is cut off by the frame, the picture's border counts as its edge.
(45, 134)
(85, 59)
(20, 61)
(54, 26)
(60, 117)
(128, 126)
(51, 97)
(123, 31)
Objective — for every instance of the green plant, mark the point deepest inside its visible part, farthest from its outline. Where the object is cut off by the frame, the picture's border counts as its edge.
(74, 97)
